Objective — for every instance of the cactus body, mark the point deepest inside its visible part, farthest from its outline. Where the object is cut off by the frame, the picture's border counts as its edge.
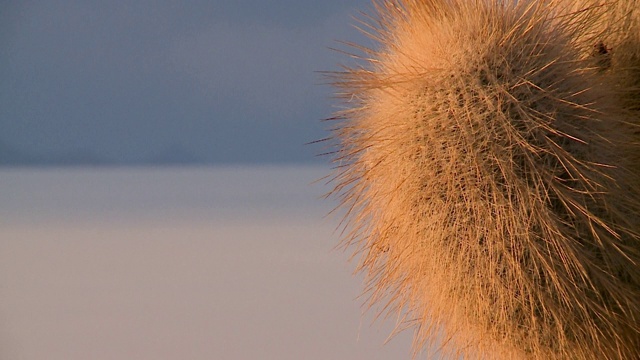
(482, 162)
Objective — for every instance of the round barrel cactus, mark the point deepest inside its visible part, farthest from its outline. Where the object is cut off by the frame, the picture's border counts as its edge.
(483, 165)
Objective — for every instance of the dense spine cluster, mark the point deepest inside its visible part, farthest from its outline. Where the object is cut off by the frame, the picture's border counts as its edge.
(485, 162)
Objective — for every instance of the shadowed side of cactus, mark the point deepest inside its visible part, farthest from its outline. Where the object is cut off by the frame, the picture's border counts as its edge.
(612, 40)
(622, 24)
(478, 164)
(622, 20)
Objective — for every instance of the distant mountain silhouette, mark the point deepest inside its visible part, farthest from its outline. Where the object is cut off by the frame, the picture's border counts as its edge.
(170, 155)
(10, 156)
(174, 155)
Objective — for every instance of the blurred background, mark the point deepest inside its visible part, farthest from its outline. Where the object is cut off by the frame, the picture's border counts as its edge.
(167, 82)
(157, 198)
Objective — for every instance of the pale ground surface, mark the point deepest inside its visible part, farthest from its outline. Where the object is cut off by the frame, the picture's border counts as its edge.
(177, 264)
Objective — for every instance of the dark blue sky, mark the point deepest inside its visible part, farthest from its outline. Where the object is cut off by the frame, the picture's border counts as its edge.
(136, 81)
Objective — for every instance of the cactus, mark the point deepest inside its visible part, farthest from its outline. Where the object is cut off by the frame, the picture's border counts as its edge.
(482, 164)
(620, 31)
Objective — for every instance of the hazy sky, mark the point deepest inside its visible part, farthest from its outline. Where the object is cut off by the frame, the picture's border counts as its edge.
(222, 81)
